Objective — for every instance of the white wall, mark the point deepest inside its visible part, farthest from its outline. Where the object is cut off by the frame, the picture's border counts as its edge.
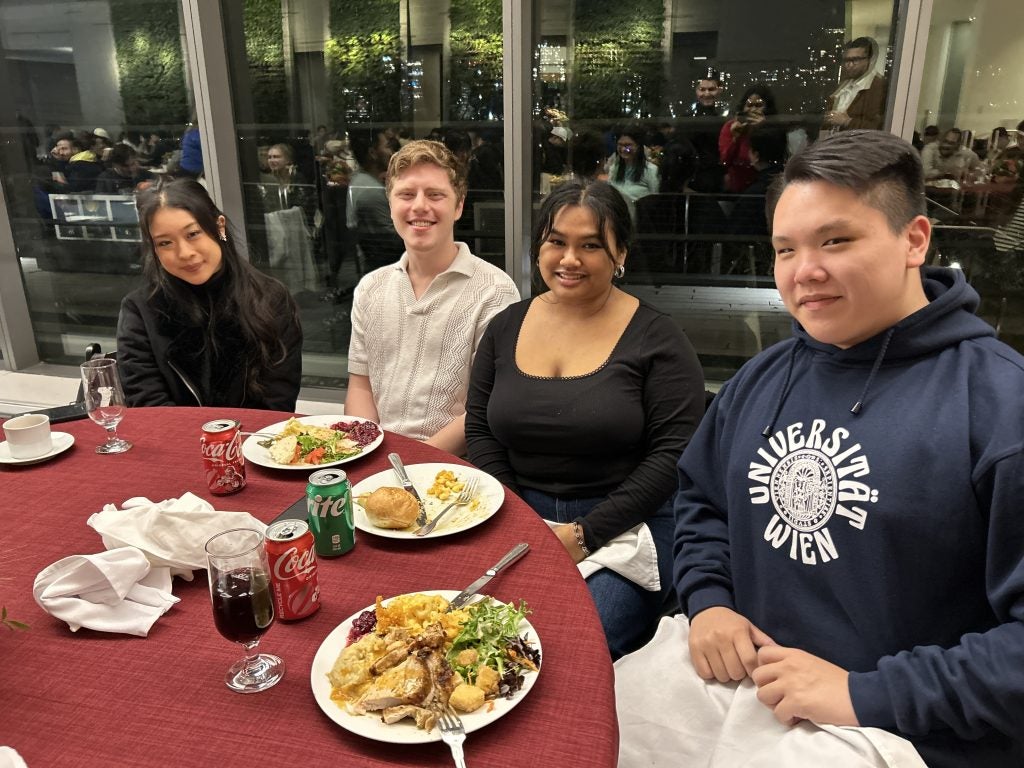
(992, 89)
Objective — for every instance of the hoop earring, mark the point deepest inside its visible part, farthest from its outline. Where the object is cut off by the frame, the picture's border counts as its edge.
(620, 270)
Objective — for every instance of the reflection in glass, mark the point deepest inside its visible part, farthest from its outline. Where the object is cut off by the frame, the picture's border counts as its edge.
(101, 96)
(692, 86)
(324, 94)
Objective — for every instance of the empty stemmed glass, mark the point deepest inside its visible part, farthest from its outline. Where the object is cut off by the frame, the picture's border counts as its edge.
(104, 401)
(242, 606)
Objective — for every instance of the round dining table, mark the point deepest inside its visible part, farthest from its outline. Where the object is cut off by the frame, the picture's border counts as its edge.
(90, 698)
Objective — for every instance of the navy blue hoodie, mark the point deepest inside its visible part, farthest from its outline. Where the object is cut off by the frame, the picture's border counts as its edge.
(889, 541)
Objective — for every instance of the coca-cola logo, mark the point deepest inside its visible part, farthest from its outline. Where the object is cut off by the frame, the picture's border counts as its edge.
(291, 564)
(226, 450)
(321, 506)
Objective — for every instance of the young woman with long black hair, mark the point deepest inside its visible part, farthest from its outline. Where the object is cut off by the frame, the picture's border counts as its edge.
(206, 328)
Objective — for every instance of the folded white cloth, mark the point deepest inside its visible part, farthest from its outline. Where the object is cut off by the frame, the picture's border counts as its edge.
(115, 591)
(632, 555)
(172, 533)
(10, 759)
(670, 716)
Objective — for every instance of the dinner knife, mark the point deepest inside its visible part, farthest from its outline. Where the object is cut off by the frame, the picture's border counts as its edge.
(513, 554)
(403, 478)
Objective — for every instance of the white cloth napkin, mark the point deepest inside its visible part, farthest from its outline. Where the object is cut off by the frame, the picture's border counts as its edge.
(669, 716)
(115, 591)
(632, 555)
(172, 533)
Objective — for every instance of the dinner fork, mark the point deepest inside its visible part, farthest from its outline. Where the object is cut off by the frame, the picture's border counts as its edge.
(453, 733)
(465, 496)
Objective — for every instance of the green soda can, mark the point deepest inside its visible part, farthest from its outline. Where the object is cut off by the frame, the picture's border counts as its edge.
(329, 503)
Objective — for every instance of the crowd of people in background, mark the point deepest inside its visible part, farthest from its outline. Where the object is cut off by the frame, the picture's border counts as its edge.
(687, 181)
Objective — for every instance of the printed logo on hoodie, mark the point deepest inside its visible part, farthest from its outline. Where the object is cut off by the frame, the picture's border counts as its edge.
(812, 478)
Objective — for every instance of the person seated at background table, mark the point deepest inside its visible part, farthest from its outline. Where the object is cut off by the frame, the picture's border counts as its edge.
(582, 399)
(416, 324)
(629, 170)
(946, 159)
(124, 173)
(206, 328)
(755, 106)
(861, 574)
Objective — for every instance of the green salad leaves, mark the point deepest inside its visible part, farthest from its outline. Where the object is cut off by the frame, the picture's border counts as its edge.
(493, 632)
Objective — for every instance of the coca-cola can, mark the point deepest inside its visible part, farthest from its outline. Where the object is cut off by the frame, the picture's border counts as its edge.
(223, 461)
(293, 580)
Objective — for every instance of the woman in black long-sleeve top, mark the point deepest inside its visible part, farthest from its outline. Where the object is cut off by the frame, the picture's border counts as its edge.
(583, 398)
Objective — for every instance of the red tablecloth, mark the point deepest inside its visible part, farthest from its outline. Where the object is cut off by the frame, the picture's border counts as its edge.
(95, 699)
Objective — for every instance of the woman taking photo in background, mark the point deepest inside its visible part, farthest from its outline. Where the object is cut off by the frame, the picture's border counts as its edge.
(206, 328)
(582, 400)
(756, 105)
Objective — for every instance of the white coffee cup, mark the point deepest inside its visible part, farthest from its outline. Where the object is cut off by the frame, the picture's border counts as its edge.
(28, 436)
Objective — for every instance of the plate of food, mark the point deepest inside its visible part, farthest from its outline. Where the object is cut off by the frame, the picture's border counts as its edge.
(382, 507)
(312, 442)
(383, 671)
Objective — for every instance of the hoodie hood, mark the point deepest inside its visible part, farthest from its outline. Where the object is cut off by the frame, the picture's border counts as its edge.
(945, 321)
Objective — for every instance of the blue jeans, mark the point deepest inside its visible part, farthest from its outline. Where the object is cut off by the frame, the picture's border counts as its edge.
(628, 612)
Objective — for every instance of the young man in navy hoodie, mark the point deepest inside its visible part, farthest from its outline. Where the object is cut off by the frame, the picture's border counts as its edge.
(850, 531)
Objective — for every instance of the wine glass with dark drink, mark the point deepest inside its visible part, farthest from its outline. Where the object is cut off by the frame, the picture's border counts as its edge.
(242, 606)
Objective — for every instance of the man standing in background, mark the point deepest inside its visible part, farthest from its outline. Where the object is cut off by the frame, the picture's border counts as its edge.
(859, 101)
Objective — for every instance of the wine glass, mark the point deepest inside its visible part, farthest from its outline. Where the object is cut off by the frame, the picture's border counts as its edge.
(104, 401)
(242, 607)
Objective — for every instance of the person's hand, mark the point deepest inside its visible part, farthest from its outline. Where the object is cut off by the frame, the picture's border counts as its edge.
(723, 644)
(567, 536)
(738, 126)
(797, 685)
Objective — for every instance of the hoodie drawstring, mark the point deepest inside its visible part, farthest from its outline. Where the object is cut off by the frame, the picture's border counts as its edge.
(856, 409)
(874, 369)
(784, 391)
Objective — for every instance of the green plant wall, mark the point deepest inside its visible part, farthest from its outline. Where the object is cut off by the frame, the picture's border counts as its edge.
(264, 49)
(150, 65)
(364, 61)
(475, 66)
(617, 66)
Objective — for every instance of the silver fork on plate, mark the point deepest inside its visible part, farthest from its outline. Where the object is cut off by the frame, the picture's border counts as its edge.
(452, 733)
(465, 496)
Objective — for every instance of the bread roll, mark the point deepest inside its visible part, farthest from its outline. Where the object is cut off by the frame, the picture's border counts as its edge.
(391, 508)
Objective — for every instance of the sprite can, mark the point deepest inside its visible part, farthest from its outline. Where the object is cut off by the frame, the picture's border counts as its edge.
(329, 504)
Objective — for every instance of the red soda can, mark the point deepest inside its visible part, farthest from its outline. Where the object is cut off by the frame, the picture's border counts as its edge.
(223, 461)
(293, 580)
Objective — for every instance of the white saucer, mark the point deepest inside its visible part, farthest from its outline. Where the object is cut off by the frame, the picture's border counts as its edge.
(61, 442)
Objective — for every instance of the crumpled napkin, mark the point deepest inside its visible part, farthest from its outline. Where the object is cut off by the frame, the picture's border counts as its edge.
(114, 591)
(171, 533)
(9, 758)
(631, 554)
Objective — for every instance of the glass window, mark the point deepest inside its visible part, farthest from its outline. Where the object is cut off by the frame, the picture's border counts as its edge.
(324, 92)
(101, 98)
(970, 128)
(690, 109)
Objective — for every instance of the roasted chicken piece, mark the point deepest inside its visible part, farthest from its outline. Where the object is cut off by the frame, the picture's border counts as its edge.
(425, 718)
(407, 683)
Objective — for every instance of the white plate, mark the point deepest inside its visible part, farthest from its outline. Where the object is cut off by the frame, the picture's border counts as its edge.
(404, 731)
(257, 454)
(489, 491)
(61, 442)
